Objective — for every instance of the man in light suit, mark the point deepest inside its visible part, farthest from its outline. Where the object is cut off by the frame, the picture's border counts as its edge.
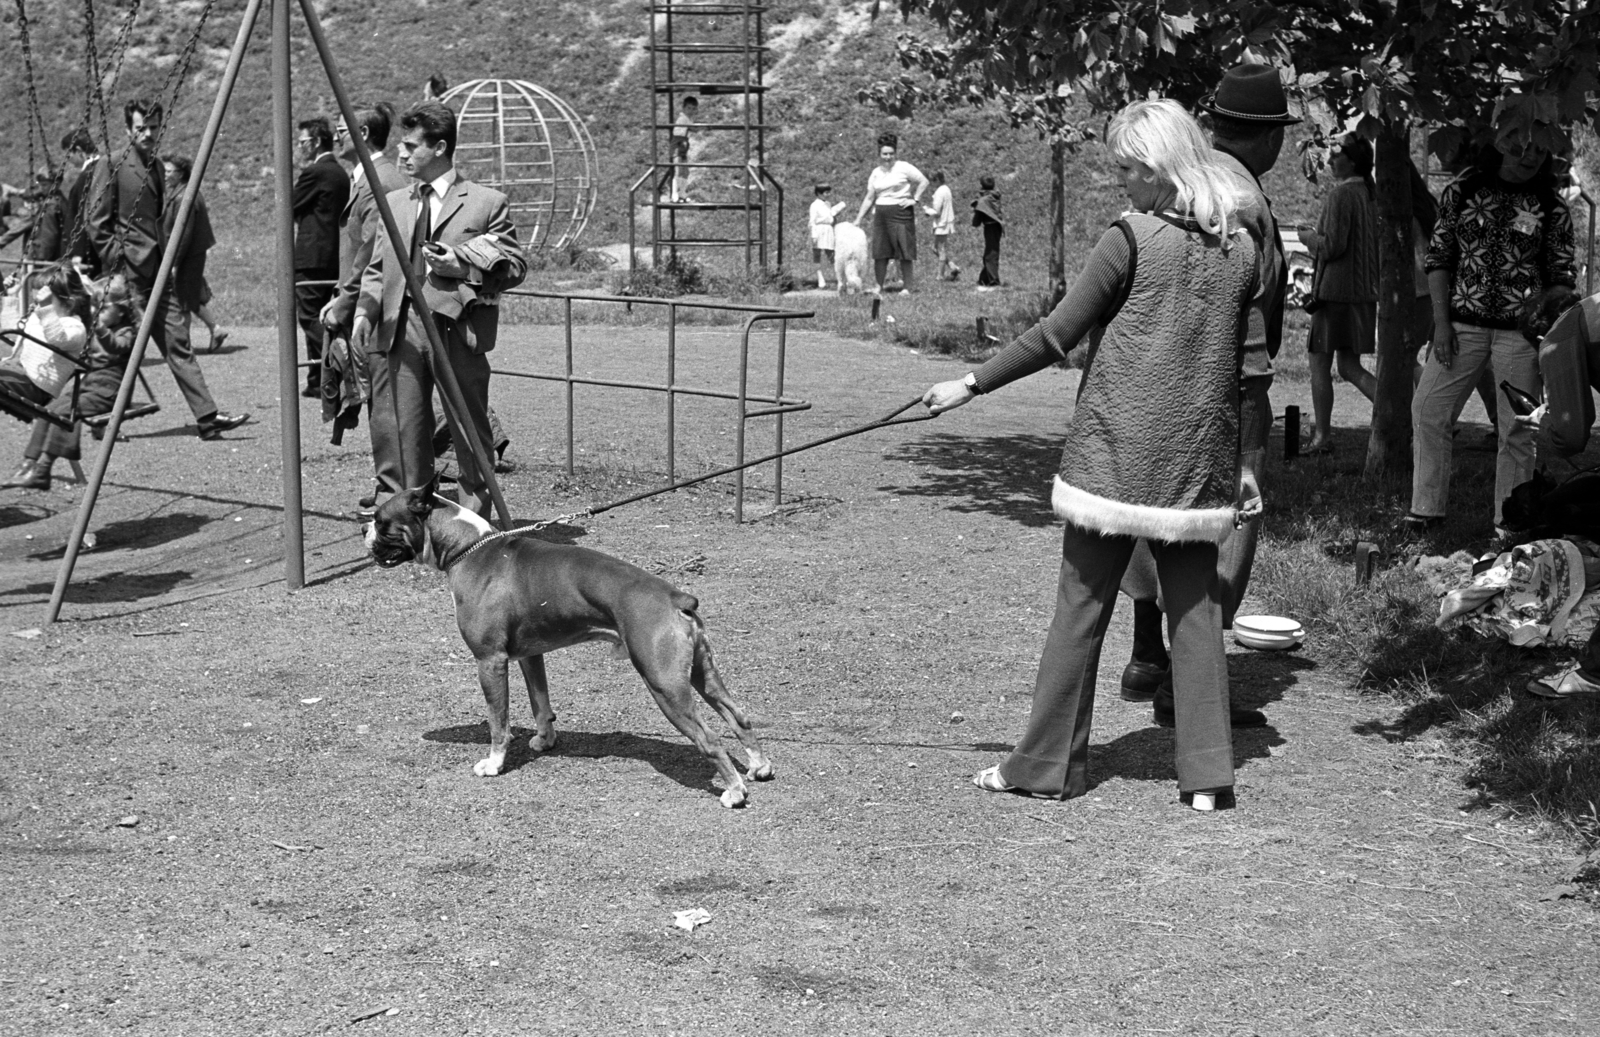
(360, 229)
(127, 233)
(466, 254)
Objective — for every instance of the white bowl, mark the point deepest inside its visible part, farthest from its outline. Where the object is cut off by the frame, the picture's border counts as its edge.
(1269, 626)
(1269, 642)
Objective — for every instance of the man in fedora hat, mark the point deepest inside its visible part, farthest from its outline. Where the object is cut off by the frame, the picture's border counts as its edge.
(1249, 111)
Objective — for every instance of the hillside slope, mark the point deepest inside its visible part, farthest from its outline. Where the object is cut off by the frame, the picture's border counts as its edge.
(592, 55)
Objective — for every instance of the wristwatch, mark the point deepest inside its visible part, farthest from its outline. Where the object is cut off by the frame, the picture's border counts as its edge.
(971, 382)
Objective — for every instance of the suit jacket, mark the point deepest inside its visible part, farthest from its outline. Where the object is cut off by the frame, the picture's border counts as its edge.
(320, 194)
(361, 227)
(470, 211)
(125, 201)
(75, 229)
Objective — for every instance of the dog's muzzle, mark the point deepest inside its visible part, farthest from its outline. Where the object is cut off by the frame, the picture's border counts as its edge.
(388, 549)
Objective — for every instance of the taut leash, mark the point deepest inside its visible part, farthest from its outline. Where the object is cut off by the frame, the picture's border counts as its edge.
(888, 420)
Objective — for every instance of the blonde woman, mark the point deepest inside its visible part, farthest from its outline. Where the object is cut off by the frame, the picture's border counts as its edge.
(1152, 448)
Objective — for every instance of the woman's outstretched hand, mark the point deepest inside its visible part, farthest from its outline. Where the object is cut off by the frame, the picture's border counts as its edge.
(947, 396)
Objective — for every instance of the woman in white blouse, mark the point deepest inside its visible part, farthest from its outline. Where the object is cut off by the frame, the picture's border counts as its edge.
(894, 190)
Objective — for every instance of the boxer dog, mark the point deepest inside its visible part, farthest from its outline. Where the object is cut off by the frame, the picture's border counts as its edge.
(518, 598)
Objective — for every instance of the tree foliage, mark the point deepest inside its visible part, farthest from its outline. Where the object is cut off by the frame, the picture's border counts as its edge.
(1480, 69)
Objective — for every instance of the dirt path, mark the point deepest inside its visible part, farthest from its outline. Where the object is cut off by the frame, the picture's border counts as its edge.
(311, 845)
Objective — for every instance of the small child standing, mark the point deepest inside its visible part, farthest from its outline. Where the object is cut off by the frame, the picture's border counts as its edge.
(943, 211)
(823, 217)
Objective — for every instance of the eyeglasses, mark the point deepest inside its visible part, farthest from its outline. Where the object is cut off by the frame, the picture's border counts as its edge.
(340, 132)
(303, 141)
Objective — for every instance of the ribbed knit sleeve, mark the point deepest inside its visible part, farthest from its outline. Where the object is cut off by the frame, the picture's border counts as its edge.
(1347, 248)
(1086, 303)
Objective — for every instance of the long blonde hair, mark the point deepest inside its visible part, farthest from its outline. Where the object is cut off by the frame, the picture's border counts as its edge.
(1166, 138)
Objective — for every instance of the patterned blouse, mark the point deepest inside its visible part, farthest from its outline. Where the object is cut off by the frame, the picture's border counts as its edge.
(1501, 246)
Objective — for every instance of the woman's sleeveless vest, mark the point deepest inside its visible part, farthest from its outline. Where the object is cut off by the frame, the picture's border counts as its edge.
(1153, 446)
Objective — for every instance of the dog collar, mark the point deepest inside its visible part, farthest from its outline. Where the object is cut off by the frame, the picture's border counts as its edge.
(488, 537)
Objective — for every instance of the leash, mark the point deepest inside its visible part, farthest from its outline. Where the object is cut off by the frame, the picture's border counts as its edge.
(888, 420)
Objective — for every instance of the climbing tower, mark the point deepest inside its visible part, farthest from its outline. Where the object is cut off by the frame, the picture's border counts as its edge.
(726, 198)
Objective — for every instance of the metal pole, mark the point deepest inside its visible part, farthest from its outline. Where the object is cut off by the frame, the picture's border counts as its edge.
(570, 386)
(208, 141)
(439, 359)
(744, 380)
(783, 342)
(294, 565)
(672, 384)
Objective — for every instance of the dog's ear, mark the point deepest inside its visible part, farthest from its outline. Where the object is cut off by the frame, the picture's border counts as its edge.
(420, 501)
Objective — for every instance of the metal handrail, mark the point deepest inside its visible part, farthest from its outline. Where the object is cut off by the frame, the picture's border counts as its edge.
(777, 405)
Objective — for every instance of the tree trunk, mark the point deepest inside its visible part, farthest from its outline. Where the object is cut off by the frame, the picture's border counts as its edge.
(1058, 219)
(1389, 447)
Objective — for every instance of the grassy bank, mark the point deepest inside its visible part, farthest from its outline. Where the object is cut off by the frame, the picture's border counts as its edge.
(1463, 694)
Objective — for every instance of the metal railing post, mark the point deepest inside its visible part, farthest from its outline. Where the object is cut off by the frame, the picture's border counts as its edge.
(783, 341)
(672, 391)
(570, 431)
(744, 386)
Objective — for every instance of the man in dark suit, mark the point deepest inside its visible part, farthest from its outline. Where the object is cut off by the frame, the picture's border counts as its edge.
(321, 193)
(361, 228)
(126, 232)
(82, 154)
(464, 247)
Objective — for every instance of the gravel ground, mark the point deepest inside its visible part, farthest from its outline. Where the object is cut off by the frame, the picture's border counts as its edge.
(232, 810)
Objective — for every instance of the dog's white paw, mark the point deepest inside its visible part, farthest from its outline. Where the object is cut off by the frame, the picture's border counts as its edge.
(543, 743)
(489, 766)
(762, 771)
(733, 798)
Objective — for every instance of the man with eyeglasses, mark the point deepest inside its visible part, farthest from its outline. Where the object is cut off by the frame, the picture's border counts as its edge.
(321, 193)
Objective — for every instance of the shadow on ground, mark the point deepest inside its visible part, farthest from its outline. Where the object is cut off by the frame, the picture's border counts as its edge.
(110, 587)
(1007, 476)
(124, 534)
(676, 760)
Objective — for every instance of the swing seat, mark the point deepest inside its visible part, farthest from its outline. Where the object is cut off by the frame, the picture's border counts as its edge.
(26, 410)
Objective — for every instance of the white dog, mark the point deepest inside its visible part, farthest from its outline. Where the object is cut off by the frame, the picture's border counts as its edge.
(849, 256)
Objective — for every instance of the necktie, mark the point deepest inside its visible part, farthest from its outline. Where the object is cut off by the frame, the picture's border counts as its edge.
(424, 226)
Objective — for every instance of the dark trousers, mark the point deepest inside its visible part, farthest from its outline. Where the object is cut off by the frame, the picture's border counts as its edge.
(171, 335)
(1052, 757)
(990, 274)
(1237, 556)
(402, 411)
(309, 299)
(97, 394)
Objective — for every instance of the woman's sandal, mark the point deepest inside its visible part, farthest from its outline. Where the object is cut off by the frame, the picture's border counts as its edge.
(989, 780)
(1207, 800)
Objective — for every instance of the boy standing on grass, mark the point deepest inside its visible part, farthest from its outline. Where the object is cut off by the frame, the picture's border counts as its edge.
(823, 216)
(943, 211)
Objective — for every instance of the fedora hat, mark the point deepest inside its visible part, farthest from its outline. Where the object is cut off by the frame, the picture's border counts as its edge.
(1251, 93)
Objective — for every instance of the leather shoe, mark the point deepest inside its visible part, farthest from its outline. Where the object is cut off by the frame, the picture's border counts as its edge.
(214, 426)
(29, 477)
(1166, 716)
(311, 391)
(370, 500)
(1141, 681)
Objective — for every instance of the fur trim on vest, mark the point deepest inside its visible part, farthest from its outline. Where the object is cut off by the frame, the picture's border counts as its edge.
(1169, 525)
